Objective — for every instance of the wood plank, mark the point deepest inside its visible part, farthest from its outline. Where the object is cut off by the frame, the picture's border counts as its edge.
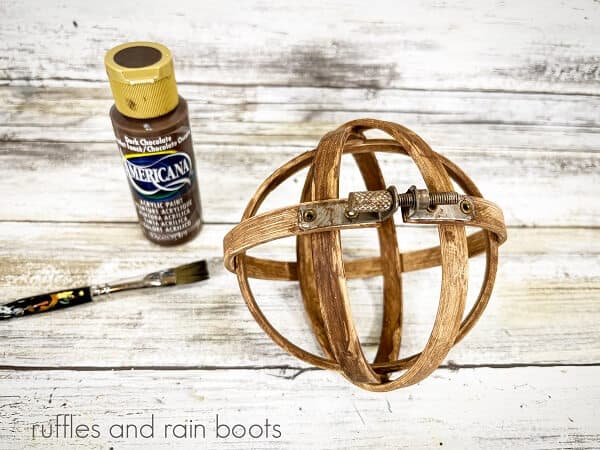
(483, 45)
(534, 408)
(241, 129)
(544, 274)
(513, 100)
(86, 181)
(285, 116)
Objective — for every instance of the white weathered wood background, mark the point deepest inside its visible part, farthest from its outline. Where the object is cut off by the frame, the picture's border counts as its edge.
(510, 90)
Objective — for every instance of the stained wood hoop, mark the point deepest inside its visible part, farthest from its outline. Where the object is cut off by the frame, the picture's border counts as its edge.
(322, 272)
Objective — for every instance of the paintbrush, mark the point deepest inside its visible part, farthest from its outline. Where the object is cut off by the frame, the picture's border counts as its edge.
(188, 273)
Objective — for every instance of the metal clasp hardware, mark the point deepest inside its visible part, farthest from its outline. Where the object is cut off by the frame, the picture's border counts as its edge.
(418, 206)
(333, 213)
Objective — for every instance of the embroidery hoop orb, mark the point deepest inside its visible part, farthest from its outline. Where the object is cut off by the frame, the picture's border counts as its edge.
(322, 272)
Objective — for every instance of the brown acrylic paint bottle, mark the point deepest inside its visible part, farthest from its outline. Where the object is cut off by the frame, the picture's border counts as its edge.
(152, 129)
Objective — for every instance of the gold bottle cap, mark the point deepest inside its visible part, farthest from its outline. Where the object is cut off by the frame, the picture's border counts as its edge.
(142, 79)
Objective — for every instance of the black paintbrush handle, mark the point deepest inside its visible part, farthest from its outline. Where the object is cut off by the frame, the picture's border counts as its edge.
(46, 302)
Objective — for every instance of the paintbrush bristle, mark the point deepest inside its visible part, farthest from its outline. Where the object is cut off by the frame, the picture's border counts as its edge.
(192, 272)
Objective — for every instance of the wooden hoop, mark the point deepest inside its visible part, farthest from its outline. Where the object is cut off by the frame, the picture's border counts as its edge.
(322, 272)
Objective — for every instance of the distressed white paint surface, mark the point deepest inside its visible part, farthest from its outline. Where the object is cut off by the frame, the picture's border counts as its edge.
(86, 182)
(208, 324)
(501, 140)
(534, 408)
(508, 90)
(537, 46)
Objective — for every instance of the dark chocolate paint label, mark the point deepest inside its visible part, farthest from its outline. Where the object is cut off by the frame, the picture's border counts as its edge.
(162, 177)
(159, 176)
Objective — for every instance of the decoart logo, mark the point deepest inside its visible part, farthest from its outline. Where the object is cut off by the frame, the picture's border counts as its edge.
(159, 177)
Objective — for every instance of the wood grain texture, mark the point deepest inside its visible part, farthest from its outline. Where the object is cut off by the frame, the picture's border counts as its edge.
(78, 111)
(534, 408)
(391, 267)
(208, 324)
(328, 267)
(73, 173)
(550, 46)
(484, 134)
(326, 299)
(507, 90)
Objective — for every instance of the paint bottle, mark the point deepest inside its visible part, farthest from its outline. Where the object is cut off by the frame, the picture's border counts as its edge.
(152, 130)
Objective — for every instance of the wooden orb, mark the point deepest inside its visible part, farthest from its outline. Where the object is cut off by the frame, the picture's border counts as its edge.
(322, 272)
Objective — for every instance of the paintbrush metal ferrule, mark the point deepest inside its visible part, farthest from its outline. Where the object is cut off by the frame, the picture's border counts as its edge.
(155, 279)
(187, 273)
(8, 313)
